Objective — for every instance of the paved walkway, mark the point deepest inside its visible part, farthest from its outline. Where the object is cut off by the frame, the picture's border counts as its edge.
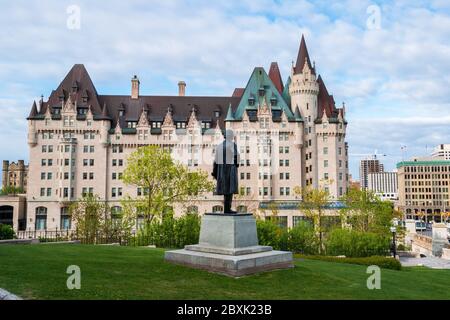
(5, 295)
(430, 262)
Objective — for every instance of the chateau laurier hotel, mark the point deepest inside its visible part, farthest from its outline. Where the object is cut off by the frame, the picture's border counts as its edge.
(288, 135)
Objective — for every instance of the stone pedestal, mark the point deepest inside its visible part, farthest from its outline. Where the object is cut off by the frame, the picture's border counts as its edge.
(229, 244)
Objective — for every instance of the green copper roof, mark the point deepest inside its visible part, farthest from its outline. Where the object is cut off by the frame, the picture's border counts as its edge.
(230, 116)
(437, 162)
(285, 94)
(259, 80)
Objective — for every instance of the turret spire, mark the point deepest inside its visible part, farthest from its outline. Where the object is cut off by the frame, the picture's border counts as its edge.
(302, 58)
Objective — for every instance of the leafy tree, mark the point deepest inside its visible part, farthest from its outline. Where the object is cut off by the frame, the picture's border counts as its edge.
(94, 221)
(162, 181)
(363, 211)
(313, 204)
(11, 190)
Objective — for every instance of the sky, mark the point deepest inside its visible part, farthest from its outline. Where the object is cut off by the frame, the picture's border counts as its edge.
(387, 60)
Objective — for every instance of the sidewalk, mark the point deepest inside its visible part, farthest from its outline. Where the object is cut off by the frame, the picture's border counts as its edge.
(430, 262)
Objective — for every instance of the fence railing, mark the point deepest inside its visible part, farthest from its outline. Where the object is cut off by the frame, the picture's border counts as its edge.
(70, 235)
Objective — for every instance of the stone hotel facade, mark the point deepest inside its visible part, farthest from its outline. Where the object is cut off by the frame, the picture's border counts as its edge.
(288, 135)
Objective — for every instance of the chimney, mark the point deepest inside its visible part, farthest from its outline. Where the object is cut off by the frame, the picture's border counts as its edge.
(181, 88)
(135, 87)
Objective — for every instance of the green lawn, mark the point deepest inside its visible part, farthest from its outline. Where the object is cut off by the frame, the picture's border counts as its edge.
(112, 272)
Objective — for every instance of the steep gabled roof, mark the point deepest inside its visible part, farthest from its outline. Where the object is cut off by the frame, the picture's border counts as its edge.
(302, 57)
(260, 81)
(78, 84)
(238, 92)
(33, 112)
(325, 101)
(275, 76)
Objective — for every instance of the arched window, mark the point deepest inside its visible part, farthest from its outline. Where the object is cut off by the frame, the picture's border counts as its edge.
(217, 209)
(65, 219)
(41, 218)
(242, 209)
(6, 215)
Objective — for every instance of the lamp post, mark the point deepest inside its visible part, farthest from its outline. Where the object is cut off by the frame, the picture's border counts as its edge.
(394, 246)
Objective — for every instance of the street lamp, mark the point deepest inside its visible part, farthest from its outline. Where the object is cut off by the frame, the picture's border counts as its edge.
(394, 247)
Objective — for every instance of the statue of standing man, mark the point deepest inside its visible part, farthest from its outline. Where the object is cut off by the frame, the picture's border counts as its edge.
(225, 170)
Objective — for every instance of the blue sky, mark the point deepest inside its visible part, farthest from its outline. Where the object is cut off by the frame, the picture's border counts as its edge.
(394, 79)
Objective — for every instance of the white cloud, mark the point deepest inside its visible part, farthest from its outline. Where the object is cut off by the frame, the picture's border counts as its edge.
(401, 70)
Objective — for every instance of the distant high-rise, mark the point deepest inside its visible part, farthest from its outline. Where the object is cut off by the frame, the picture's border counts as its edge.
(441, 151)
(367, 166)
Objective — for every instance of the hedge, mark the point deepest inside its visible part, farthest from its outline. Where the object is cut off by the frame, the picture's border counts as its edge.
(382, 262)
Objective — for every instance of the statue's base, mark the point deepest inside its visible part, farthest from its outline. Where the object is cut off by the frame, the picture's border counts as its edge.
(229, 245)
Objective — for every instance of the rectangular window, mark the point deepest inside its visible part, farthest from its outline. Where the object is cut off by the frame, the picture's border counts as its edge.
(44, 148)
(43, 162)
(114, 162)
(42, 192)
(85, 149)
(42, 175)
(113, 192)
(325, 176)
(49, 192)
(91, 162)
(325, 163)
(114, 176)
(325, 150)
(85, 162)
(49, 176)
(49, 162)
(85, 175)
(91, 176)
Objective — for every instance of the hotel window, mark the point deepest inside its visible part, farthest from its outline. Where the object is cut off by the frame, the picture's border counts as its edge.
(49, 176)
(282, 191)
(325, 150)
(50, 162)
(85, 175)
(91, 162)
(43, 162)
(325, 176)
(41, 218)
(85, 149)
(287, 191)
(42, 175)
(42, 192)
(44, 148)
(65, 219)
(49, 192)
(287, 175)
(119, 192)
(91, 176)
(66, 176)
(91, 149)
(242, 175)
(114, 176)
(113, 192)
(120, 162)
(325, 163)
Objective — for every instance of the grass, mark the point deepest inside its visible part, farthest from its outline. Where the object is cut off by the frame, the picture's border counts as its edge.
(113, 272)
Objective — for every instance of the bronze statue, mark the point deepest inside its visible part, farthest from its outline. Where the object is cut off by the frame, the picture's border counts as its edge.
(225, 170)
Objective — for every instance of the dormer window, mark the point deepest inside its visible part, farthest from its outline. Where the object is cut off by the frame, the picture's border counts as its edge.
(82, 111)
(181, 125)
(261, 91)
(75, 86)
(273, 101)
(56, 111)
(206, 125)
(121, 113)
(131, 124)
(251, 101)
(156, 125)
(217, 113)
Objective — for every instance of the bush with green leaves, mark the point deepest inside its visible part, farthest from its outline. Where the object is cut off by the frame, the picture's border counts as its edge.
(6, 232)
(351, 243)
(302, 238)
(170, 232)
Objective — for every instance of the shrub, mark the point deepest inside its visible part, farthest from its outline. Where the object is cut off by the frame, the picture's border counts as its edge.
(382, 262)
(6, 232)
(356, 244)
(170, 232)
(268, 233)
(303, 239)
